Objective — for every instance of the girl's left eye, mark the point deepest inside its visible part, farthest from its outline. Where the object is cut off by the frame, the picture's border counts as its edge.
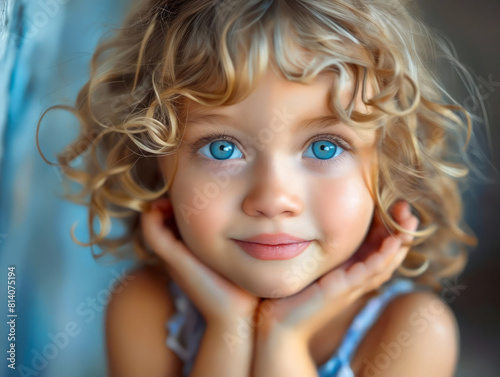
(324, 149)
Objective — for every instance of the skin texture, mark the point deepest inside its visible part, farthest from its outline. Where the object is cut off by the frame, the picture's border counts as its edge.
(270, 186)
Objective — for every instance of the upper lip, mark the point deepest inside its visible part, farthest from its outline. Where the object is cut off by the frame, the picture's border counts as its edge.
(274, 239)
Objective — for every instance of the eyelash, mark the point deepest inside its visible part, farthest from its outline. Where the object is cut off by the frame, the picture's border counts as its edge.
(211, 137)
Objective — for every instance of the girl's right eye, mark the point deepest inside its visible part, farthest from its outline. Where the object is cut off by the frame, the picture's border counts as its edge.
(221, 150)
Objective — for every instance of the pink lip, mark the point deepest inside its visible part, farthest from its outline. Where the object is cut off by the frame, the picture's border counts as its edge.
(274, 239)
(273, 246)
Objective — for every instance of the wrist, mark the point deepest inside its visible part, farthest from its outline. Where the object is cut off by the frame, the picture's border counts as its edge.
(275, 347)
(230, 317)
(275, 336)
(230, 322)
(235, 332)
(220, 355)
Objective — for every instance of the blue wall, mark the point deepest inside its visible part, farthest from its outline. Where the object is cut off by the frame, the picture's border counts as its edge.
(61, 291)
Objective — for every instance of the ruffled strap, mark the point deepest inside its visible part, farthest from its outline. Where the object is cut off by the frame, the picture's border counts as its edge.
(185, 328)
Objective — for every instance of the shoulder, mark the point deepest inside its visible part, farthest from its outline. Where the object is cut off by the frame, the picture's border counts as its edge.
(413, 329)
(136, 329)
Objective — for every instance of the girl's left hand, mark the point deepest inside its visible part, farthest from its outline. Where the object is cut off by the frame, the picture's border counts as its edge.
(304, 313)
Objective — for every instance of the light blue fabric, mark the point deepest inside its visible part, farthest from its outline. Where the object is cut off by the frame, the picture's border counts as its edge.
(185, 328)
(187, 325)
(45, 49)
(339, 364)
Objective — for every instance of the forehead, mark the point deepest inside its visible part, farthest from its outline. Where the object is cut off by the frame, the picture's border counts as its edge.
(216, 118)
(302, 107)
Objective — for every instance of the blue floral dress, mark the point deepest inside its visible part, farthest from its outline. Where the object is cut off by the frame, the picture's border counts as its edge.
(186, 328)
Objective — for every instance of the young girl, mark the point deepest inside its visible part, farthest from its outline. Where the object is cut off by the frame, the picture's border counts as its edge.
(288, 173)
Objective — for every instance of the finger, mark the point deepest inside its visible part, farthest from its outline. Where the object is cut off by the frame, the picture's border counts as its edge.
(357, 274)
(376, 262)
(333, 282)
(382, 270)
(378, 233)
(376, 238)
(397, 211)
(388, 273)
(405, 219)
(355, 268)
(159, 237)
(402, 214)
(374, 265)
(381, 264)
(399, 208)
(410, 224)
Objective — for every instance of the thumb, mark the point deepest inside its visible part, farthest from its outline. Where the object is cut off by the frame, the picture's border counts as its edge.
(162, 239)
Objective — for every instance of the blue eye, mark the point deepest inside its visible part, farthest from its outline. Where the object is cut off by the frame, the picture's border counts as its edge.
(324, 149)
(221, 150)
(221, 147)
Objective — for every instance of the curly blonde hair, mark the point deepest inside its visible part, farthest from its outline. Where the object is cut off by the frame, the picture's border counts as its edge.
(133, 107)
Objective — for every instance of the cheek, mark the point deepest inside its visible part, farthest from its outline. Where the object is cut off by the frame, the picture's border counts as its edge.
(343, 210)
(201, 209)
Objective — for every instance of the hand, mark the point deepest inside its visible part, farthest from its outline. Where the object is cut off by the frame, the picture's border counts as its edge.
(307, 311)
(218, 299)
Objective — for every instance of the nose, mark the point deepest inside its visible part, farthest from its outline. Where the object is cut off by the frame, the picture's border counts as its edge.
(272, 192)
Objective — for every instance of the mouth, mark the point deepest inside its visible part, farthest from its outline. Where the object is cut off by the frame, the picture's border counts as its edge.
(274, 239)
(275, 247)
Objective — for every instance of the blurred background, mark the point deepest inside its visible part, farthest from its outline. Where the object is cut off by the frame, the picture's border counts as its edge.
(61, 291)
(474, 29)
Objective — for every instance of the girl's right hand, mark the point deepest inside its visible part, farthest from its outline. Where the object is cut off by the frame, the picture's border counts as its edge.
(219, 300)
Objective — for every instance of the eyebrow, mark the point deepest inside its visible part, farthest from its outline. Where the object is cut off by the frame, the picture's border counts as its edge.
(316, 123)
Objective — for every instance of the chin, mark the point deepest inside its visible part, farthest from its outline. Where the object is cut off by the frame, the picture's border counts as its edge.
(274, 288)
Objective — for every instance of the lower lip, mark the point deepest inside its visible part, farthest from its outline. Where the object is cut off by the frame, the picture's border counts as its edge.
(273, 252)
